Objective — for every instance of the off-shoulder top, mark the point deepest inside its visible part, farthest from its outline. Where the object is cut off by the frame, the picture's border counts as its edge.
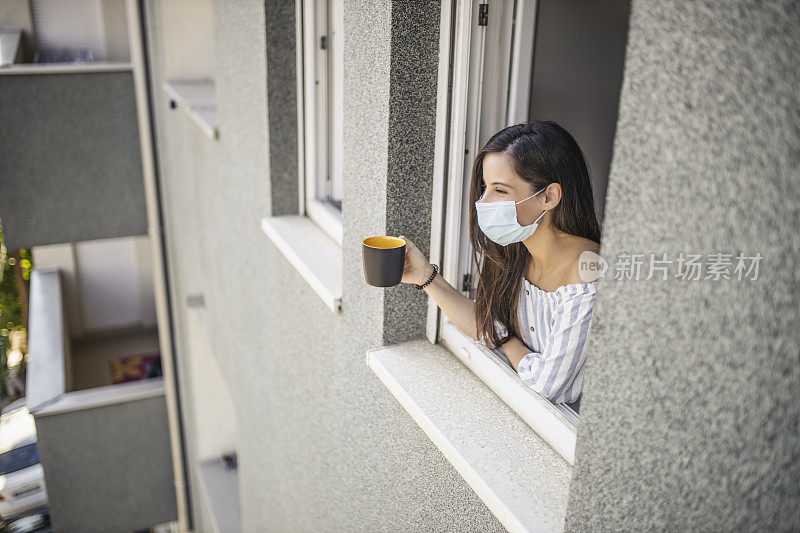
(555, 326)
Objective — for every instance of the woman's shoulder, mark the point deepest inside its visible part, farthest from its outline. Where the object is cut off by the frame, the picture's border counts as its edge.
(585, 252)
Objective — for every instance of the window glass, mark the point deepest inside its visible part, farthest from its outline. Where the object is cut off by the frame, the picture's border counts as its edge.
(323, 42)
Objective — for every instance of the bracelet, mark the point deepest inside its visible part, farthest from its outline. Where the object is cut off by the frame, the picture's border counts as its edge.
(430, 279)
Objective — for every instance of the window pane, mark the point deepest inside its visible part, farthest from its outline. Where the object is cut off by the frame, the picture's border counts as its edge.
(328, 112)
(321, 97)
(336, 111)
(577, 76)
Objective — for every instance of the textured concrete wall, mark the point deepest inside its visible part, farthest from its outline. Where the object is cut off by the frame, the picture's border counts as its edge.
(323, 446)
(188, 160)
(70, 166)
(414, 63)
(691, 400)
(108, 468)
(282, 106)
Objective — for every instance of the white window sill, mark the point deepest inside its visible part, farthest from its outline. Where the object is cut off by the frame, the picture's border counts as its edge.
(65, 68)
(196, 97)
(221, 489)
(521, 478)
(556, 424)
(312, 252)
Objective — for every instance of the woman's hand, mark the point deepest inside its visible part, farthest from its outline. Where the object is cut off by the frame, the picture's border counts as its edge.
(417, 269)
(458, 308)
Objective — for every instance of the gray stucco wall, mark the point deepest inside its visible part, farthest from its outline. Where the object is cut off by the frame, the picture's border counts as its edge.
(323, 446)
(188, 161)
(414, 63)
(691, 401)
(282, 106)
(108, 468)
(70, 165)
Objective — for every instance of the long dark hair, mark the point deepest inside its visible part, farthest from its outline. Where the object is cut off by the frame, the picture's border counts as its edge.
(543, 153)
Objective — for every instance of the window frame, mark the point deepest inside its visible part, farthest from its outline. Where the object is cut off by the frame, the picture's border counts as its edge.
(512, 77)
(321, 123)
(459, 119)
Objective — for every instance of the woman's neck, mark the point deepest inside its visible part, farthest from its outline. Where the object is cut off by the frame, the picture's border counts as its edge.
(547, 249)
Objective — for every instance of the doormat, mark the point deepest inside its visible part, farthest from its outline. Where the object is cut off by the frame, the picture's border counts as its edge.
(135, 367)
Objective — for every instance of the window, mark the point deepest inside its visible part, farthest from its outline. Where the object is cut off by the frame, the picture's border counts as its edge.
(322, 82)
(513, 61)
(312, 239)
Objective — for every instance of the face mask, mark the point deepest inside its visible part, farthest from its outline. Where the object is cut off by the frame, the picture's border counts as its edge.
(498, 221)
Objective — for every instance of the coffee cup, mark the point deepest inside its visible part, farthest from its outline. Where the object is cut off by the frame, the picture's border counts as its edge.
(384, 258)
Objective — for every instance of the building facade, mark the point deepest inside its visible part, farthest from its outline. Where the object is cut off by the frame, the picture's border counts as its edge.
(351, 407)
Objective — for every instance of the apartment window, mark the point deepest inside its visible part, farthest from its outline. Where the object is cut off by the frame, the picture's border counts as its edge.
(322, 59)
(514, 61)
(312, 239)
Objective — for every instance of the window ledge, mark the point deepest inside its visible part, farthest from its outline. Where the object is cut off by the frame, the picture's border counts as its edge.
(522, 480)
(221, 488)
(315, 255)
(556, 424)
(196, 97)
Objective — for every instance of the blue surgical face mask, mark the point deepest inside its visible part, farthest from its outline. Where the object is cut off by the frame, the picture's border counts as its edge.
(498, 221)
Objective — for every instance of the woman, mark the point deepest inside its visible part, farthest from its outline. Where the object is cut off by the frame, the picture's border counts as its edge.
(531, 217)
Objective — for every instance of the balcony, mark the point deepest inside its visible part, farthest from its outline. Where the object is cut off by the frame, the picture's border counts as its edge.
(104, 446)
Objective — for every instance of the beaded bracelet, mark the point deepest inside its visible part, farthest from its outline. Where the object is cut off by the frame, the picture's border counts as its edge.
(430, 279)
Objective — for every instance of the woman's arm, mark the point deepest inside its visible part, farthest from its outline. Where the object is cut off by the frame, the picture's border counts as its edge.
(514, 350)
(552, 371)
(458, 308)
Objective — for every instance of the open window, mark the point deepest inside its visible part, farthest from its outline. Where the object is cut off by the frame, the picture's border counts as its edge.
(513, 61)
(322, 83)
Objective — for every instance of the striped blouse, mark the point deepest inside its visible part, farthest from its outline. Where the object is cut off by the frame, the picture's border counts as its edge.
(555, 326)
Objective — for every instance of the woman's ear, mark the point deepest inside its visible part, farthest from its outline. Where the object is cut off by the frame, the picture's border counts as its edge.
(552, 195)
